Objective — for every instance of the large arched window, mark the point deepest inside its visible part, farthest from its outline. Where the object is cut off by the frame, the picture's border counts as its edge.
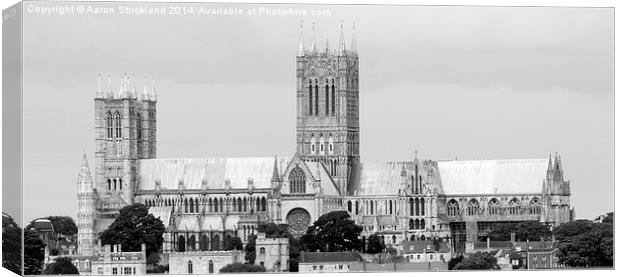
(453, 208)
(297, 179)
(316, 97)
(190, 267)
(204, 243)
(117, 125)
(210, 266)
(326, 98)
(390, 206)
(372, 207)
(417, 206)
(513, 206)
(139, 126)
(349, 206)
(312, 145)
(473, 207)
(191, 205)
(181, 244)
(421, 206)
(422, 224)
(310, 106)
(411, 206)
(493, 207)
(263, 204)
(417, 224)
(109, 121)
(534, 206)
(411, 224)
(215, 243)
(333, 98)
(215, 205)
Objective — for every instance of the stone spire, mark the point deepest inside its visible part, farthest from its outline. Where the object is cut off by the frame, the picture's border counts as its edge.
(300, 46)
(134, 92)
(145, 91)
(153, 95)
(120, 89)
(109, 92)
(353, 40)
(327, 46)
(84, 176)
(275, 176)
(342, 49)
(313, 46)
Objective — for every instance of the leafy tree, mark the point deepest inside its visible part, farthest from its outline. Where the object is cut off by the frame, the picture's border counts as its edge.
(454, 261)
(63, 225)
(54, 252)
(239, 267)
(34, 249)
(134, 226)
(11, 245)
(250, 249)
(391, 250)
(375, 245)
(236, 244)
(609, 218)
(528, 230)
(584, 243)
(477, 261)
(333, 232)
(62, 265)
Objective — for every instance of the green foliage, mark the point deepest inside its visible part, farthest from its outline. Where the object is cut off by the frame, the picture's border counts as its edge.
(333, 232)
(374, 245)
(134, 226)
(34, 249)
(54, 252)
(477, 261)
(61, 265)
(391, 250)
(454, 261)
(528, 230)
(239, 267)
(11, 245)
(236, 244)
(250, 249)
(583, 243)
(609, 218)
(63, 225)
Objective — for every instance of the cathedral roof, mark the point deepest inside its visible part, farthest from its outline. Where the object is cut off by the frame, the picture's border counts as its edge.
(163, 213)
(519, 176)
(377, 178)
(213, 170)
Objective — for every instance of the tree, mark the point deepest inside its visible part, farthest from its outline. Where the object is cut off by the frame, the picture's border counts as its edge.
(609, 218)
(62, 265)
(34, 249)
(477, 261)
(250, 249)
(375, 245)
(583, 243)
(528, 230)
(333, 232)
(11, 245)
(239, 267)
(236, 244)
(133, 227)
(63, 225)
(454, 261)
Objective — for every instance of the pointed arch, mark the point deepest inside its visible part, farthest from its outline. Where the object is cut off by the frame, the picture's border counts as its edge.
(118, 125)
(422, 224)
(494, 206)
(215, 205)
(263, 204)
(326, 98)
(109, 124)
(204, 243)
(138, 126)
(349, 206)
(453, 208)
(333, 98)
(191, 243)
(411, 206)
(534, 206)
(310, 98)
(297, 179)
(316, 97)
(181, 243)
(422, 208)
(513, 206)
(473, 207)
(191, 205)
(411, 224)
(215, 243)
(417, 206)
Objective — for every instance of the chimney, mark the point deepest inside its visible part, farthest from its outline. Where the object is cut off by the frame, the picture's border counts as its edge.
(99, 243)
(512, 237)
(143, 249)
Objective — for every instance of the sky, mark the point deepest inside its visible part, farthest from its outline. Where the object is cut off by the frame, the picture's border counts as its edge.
(447, 81)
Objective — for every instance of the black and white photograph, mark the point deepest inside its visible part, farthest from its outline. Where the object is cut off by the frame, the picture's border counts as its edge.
(205, 138)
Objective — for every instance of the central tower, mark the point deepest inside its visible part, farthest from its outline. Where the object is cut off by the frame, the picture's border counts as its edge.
(328, 107)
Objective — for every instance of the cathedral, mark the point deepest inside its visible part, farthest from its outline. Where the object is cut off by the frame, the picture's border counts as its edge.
(206, 202)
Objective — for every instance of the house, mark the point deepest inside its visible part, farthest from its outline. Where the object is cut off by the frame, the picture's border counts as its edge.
(424, 251)
(316, 262)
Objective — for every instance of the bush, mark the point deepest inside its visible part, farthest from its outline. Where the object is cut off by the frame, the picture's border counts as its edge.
(239, 267)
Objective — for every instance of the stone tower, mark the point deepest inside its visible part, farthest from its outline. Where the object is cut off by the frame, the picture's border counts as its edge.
(556, 194)
(125, 131)
(87, 201)
(328, 107)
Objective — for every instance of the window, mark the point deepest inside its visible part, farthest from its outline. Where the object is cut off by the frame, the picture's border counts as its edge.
(513, 206)
(316, 97)
(473, 207)
(321, 267)
(326, 99)
(190, 267)
(181, 244)
(262, 264)
(314, 267)
(120, 184)
(422, 206)
(534, 206)
(117, 125)
(431, 256)
(210, 266)
(417, 206)
(349, 206)
(310, 97)
(453, 208)
(493, 207)
(333, 98)
(297, 179)
(114, 271)
(312, 145)
(410, 206)
(109, 125)
(262, 250)
(263, 203)
(340, 266)
(139, 126)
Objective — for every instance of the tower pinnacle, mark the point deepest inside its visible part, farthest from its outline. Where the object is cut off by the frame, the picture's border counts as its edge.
(300, 46)
(342, 49)
(313, 46)
(353, 40)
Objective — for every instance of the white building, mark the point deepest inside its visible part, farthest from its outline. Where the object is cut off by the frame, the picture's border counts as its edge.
(319, 262)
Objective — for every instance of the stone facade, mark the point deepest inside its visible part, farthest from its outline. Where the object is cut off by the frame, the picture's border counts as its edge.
(206, 202)
(113, 261)
(272, 253)
(203, 262)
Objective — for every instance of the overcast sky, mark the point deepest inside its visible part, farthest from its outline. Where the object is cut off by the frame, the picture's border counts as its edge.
(466, 82)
